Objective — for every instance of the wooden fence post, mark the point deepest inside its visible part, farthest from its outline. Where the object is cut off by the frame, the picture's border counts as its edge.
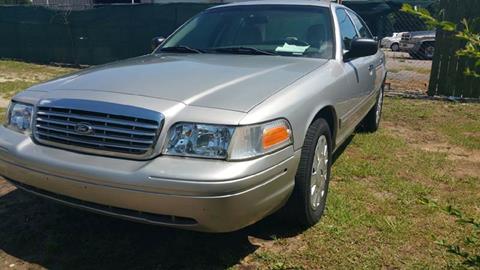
(448, 70)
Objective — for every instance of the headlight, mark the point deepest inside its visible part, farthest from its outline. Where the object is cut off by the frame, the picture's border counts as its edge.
(226, 142)
(257, 140)
(19, 117)
(199, 140)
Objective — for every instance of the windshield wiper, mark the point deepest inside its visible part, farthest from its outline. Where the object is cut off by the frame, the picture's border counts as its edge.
(243, 50)
(181, 49)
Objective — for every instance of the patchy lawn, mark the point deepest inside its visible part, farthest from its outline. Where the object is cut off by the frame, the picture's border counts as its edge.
(374, 218)
(406, 74)
(16, 76)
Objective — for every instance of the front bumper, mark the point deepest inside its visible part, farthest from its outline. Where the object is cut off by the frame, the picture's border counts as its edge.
(406, 47)
(196, 194)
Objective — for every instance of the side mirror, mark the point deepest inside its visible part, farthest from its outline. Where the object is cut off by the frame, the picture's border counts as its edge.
(156, 41)
(361, 47)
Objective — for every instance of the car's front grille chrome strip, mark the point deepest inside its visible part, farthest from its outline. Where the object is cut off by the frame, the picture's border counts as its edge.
(47, 131)
(103, 128)
(106, 120)
(107, 130)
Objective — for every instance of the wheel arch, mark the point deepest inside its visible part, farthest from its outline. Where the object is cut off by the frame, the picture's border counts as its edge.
(329, 114)
(429, 41)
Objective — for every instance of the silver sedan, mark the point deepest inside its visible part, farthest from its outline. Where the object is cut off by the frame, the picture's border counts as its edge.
(232, 117)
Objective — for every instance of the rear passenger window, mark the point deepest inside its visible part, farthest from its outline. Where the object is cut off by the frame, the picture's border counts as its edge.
(361, 26)
(347, 30)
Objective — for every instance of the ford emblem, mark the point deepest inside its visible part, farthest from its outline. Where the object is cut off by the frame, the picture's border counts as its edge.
(83, 129)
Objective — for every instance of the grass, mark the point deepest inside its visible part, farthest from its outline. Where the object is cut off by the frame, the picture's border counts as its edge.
(8, 89)
(374, 217)
(17, 76)
(410, 68)
(458, 123)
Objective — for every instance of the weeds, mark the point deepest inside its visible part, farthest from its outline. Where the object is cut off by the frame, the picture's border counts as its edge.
(467, 249)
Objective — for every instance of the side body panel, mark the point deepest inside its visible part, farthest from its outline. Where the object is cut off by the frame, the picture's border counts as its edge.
(369, 73)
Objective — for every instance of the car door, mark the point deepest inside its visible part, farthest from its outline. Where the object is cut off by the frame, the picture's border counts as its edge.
(376, 61)
(360, 69)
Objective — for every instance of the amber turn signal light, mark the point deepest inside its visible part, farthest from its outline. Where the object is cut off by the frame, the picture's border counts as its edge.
(274, 136)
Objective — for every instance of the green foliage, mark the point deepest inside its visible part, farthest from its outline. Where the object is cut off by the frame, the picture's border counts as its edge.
(472, 47)
(429, 19)
(465, 33)
(469, 250)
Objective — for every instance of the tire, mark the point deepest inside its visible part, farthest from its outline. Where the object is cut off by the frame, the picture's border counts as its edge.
(428, 50)
(395, 47)
(307, 203)
(371, 122)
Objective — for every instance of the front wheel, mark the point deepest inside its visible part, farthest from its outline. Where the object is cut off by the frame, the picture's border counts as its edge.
(395, 47)
(309, 198)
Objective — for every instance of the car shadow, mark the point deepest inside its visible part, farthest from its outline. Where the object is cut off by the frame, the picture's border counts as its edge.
(54, 236)
(341, 148)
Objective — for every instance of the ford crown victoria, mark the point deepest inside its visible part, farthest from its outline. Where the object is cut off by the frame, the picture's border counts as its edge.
(232, 117)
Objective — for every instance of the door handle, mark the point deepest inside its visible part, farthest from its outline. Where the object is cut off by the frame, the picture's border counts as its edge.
(371, 68)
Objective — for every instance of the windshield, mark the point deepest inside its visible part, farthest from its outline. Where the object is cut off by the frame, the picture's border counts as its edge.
(287, 30)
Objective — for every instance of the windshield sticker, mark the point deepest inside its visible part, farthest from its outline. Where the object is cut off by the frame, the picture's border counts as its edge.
(292, 49)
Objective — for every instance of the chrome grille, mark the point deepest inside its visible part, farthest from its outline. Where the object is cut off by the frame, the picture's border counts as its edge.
(98, 127)
(406, 36)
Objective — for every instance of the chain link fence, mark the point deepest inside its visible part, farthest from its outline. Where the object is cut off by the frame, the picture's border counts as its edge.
(409, 49)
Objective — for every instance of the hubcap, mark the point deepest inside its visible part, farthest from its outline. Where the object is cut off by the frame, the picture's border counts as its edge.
(319, 172)
(378, 111)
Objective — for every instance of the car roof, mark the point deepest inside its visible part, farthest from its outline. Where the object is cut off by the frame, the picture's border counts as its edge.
(320, 3)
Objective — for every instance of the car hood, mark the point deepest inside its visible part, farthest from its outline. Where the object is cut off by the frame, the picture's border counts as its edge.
(230, 82)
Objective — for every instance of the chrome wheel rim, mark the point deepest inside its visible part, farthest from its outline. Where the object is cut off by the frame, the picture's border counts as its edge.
(378, 111)
(319, 175)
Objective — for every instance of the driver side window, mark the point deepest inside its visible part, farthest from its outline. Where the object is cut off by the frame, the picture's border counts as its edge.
(361, 26)
(347, 29)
